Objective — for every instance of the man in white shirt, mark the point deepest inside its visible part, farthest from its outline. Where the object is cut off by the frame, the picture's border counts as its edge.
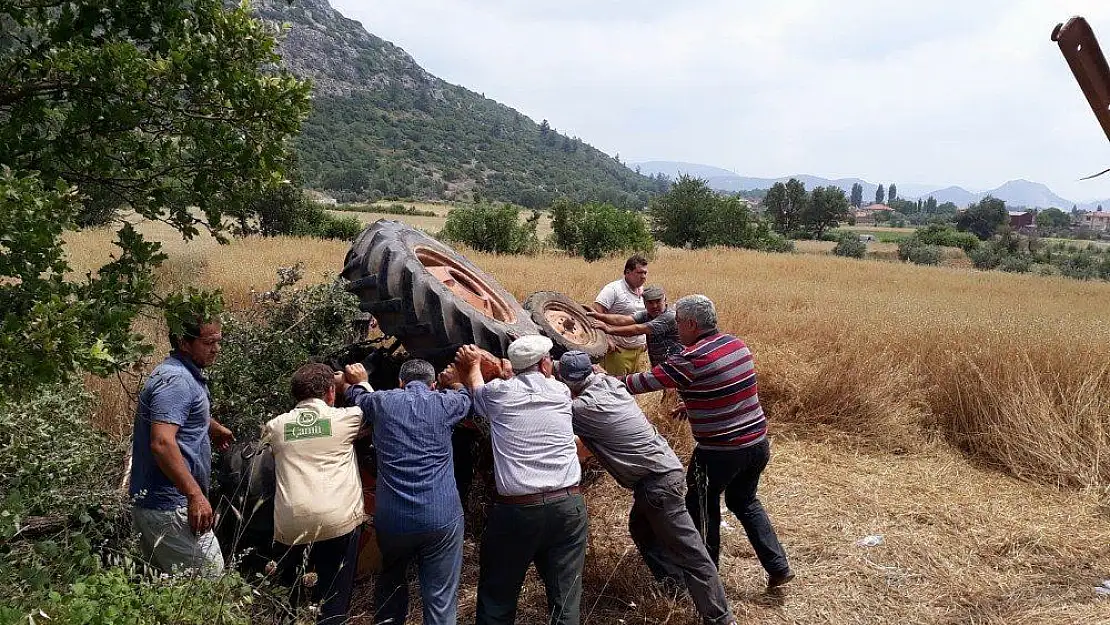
(540, 515)
(624, 297)
(318, 505)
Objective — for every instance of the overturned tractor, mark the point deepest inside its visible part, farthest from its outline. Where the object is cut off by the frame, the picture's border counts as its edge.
(427, 300)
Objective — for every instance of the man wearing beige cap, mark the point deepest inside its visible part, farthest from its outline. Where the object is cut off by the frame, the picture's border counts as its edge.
(540, 515)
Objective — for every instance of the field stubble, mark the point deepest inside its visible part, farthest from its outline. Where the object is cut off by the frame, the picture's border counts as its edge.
(962, 415)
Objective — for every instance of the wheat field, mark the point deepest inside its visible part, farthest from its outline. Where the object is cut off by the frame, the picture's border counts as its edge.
(963, 416)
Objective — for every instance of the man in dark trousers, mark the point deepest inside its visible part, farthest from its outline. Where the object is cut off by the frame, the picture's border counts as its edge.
(539, 515)
(715, 378)
(619, 435)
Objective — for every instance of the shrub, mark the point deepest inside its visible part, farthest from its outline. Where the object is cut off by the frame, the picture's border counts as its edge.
(491, 228)
(286, 210)
(286, 327)
(986, 258)
(848, 244)
(947, 236)
(915, 251)
(1081, 265)
(594, 231)
(344, 228)
(58, 476)
(1016, 263)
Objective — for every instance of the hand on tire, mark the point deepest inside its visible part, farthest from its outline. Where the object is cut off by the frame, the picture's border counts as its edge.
(355, 374)
(448, 377)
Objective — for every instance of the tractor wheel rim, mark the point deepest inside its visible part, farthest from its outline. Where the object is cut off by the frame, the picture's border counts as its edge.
(569, 324)
(465, 284)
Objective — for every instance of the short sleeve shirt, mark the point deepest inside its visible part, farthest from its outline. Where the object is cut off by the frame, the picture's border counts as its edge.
(619, 299)
(662, 342)
(176, 393)
(531, 431)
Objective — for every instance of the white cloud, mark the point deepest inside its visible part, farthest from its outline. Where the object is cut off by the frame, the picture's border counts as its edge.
(947, 92)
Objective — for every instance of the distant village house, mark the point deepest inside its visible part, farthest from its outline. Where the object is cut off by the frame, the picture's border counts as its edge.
(1098, 221)
(866, 214)
(1021, 219)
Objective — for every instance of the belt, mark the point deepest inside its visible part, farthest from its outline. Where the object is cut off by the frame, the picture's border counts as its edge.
(544, 497)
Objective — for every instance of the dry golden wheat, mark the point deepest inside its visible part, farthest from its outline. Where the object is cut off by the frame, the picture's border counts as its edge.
(866, 368)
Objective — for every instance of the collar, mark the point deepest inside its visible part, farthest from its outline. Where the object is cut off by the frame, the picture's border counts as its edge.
(708, 334)
(417, 387)
(637, 292)
(190, 366)
(315, 403)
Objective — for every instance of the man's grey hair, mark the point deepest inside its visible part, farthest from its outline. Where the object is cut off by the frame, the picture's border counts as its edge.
(699, 308)
(417, 370)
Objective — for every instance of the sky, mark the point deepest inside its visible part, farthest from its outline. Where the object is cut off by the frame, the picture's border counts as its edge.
(949, 92)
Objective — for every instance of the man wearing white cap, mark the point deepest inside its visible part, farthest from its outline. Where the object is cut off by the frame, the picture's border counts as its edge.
(540, 515)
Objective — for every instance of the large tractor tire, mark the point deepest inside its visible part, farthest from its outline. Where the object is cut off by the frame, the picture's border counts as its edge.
(430, 297)
(564, 321)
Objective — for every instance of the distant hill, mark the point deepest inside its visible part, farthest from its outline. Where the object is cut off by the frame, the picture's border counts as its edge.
(674, 169)
(1016, 193)
(383, 126)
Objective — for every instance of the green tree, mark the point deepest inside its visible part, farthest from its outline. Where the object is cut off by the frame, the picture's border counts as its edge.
(692, 215)
(606, 229)
(983, 218)
(891, 193)
(594, 231)
(679, 217)
(491, 228)
(857, 195)
(827, 207)
(879, 195)
(786, 205)
(173, 108)
(1053, 218)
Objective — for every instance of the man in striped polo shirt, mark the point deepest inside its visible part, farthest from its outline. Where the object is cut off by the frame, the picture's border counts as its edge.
(715, 377)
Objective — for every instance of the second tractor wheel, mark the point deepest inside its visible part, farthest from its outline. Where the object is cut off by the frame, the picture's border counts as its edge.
(564, 321)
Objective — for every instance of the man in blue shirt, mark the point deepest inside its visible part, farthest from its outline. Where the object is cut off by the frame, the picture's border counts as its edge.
(419, 515)
(171, 455)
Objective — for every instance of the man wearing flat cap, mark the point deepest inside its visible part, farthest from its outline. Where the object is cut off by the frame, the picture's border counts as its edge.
(656, 321)
(612, 426)
(539, 515)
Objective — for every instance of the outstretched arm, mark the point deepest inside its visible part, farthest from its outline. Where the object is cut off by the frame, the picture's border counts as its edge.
(611, 319)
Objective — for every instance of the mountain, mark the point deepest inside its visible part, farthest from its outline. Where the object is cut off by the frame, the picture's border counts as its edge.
(383, 126)
(1029, 194)
(1016, 193)
(957, 195)
(674, 169)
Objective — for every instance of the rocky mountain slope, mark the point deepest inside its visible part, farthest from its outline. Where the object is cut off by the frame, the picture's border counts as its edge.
(383, 126)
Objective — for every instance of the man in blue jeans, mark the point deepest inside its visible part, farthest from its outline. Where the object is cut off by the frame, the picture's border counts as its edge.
(419, 515)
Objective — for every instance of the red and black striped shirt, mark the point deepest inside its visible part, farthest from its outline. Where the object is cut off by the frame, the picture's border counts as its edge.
(716, 379)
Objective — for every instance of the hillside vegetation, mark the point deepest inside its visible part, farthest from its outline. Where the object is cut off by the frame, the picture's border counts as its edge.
(961, 415)
(382, 126)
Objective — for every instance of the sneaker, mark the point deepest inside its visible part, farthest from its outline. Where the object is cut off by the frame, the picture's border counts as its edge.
(780, 579)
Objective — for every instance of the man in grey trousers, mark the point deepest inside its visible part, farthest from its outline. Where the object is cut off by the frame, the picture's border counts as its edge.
(610, 423)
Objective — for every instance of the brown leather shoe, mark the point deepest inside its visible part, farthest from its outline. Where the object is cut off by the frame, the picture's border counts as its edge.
(779, 580)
